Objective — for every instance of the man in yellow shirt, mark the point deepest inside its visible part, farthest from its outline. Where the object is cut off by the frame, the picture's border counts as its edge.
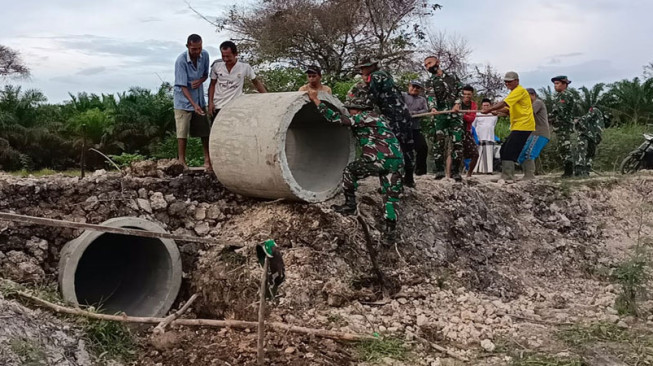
(522, 123)
(314, 76)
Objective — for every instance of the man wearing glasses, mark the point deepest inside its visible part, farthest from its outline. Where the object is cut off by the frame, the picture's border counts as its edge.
(522, 123)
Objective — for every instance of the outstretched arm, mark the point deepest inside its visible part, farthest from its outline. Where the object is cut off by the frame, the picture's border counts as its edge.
(330, 114)
(499, 106)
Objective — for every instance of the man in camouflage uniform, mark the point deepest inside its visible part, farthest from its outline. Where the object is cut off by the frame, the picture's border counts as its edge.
(387, 98)
(446, 96)
(380, 153)
(562, 120)
(589, 127)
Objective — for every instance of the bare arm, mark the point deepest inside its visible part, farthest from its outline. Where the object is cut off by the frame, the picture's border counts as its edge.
(259, 85)
(496, 107)
(211, 94)
(197, 83)
(197, 108)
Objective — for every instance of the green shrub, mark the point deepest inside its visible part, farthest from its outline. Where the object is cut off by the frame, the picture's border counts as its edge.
(167, 149)
(616, 144)
(340, 88)
(502, 128)
(125, 159)
(378, 349)
(109, 338)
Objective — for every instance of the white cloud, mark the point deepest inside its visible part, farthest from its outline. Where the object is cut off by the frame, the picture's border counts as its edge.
(106, 47)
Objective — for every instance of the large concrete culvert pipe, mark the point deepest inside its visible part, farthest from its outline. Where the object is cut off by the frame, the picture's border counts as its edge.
(277, 145)
(121, 273)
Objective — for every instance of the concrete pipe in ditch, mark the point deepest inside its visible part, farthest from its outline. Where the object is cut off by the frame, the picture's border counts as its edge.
(277, 145)
(121, 273)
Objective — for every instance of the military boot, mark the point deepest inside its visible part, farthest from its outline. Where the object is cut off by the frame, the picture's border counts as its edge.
(409, 180)
(507, 170)
(349, 207)
(455, 170)
(569, 170)
(390, 230)
(581, 171)
(529, 169)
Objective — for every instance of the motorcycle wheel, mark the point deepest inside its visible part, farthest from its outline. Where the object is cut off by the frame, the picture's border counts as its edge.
(630, 164)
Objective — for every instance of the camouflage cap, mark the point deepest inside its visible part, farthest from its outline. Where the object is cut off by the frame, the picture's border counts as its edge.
(562, 78)
(367, 61)
(357, 97)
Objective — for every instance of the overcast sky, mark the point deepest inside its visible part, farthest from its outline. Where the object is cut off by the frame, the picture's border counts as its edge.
(109, 46)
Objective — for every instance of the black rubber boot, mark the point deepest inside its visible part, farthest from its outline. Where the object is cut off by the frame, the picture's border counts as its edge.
(349, 207)
(569, 170)
(580, 171)
(455, 171)
(409, 180)
(390, 231)
(439, 175)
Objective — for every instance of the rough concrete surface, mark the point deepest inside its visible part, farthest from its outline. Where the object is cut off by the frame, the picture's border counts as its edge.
(120, 273)
(277, 145)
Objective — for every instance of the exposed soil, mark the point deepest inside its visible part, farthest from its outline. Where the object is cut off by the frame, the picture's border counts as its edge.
(482, 268)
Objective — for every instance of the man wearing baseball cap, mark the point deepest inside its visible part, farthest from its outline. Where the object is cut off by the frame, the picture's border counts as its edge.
(450, 126)
(314, 76)
(522, 123)
(562, 119)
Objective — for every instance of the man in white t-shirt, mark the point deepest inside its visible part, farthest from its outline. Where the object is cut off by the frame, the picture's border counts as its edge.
(228, 77)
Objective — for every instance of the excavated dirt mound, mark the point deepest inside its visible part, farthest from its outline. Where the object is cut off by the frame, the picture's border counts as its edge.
(474, 260)
(475, 263)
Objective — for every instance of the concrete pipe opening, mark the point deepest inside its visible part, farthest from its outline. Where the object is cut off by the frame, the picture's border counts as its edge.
(277, 145)
(121, 273)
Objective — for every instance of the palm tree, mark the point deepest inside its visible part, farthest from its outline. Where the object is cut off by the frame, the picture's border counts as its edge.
(589, 97)
(546, 94)
(631, 101)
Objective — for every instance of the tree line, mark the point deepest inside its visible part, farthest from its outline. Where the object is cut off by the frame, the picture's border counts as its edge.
(35, 134)
(279, 37)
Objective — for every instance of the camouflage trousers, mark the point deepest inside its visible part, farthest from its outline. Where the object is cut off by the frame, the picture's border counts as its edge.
(452, 126)
(389, 171)
(585, 153)
(565, 147)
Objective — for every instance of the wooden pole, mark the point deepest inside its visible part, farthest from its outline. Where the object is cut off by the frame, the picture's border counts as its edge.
(236, 324)
(107, 229)
(260, 351)
(82, 161)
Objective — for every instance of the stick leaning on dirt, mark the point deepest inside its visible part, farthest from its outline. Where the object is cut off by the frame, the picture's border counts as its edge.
(159, 329)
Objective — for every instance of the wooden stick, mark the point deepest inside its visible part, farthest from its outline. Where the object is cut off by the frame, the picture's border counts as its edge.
(427, 114)
(369, 244)
(160, 329)
(236, 324)
(440, 349)
(107, 229)
(260, 352)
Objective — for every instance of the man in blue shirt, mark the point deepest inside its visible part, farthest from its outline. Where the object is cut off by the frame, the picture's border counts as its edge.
(191, 70)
